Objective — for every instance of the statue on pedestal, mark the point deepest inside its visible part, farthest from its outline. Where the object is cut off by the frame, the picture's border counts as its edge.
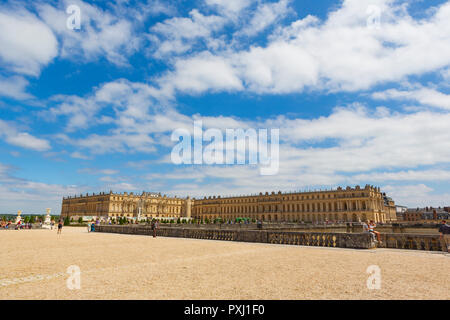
(19, 218)
(47, 222)
(139, 213)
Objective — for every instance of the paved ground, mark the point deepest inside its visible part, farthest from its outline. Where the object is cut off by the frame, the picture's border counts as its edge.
(33, 265)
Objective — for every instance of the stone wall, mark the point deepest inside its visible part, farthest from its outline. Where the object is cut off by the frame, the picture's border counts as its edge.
(322, 239)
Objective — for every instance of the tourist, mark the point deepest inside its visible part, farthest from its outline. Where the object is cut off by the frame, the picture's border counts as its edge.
(156, 227)
(60, 225)
(89, 227)
(444, 230)
(153, 229)
(92, 227)
(372, 227)
(366, 228)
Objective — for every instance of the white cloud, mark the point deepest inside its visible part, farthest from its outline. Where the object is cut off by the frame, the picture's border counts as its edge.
(409, 175)
(279, 68)
(419, 195)
(359, 140)
(201, 73)
(31, 196)
(21, 139)
(340, 53)
(115, 143)
(265, 15)
(198, 25)
(179, 34)
(446, 74)
(14, 87)
(94, 171)
(130, 101)
(424, 96)
(230, 8)
(101, 33)
(79, 155)
(26, 43)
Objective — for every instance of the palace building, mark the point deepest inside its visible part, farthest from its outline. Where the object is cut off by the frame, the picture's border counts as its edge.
(349, 204)
(130, 205)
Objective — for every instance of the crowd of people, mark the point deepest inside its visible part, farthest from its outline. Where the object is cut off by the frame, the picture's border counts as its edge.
(17, 226)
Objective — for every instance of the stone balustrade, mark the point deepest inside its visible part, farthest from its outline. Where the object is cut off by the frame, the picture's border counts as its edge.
(411, 241)
(322, 239)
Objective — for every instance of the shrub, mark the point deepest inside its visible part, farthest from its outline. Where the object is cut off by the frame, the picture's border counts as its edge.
(80, 220)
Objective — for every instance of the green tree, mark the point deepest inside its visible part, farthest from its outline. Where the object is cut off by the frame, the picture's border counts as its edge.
(66, 221)
(80, 220)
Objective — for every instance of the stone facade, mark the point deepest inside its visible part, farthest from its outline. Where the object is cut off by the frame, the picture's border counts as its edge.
(110, 205)
(349, 204)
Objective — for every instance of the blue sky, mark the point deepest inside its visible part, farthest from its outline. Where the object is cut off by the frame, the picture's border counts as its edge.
(358, 89)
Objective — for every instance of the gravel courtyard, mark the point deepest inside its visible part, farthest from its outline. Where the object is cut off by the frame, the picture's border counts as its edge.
(34, 263)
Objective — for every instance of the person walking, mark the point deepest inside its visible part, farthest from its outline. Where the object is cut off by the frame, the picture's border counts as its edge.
(60, 225)
(153, 229)
(444, 230)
